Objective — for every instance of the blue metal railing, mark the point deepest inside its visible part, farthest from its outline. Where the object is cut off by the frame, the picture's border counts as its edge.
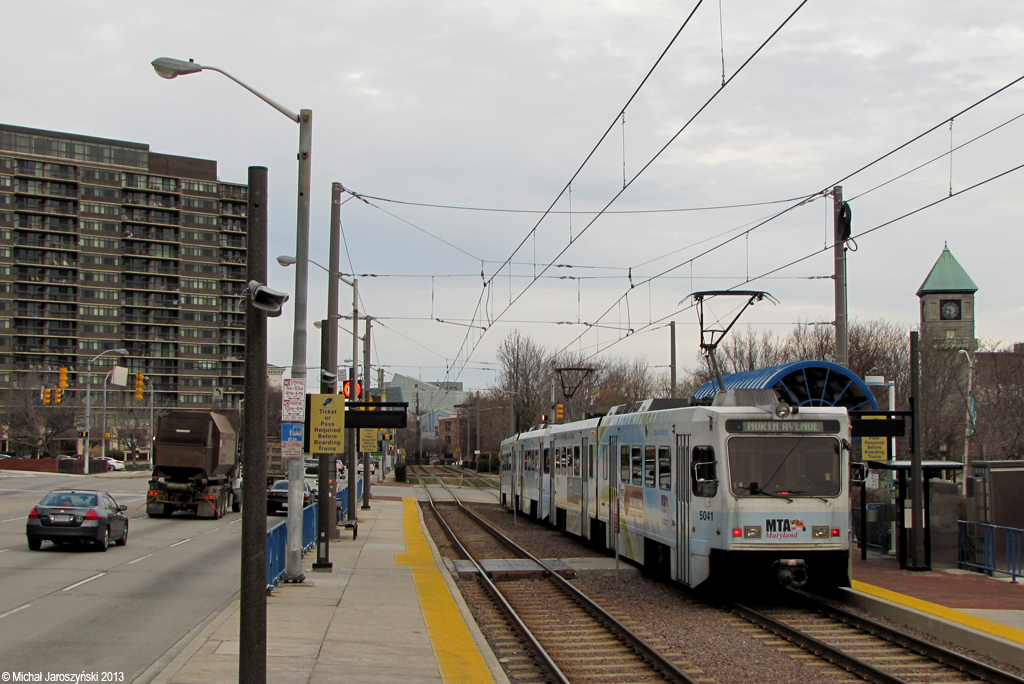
(277, 537)
(991, 548)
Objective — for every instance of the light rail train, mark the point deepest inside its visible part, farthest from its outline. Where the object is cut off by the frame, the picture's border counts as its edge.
(747, 488)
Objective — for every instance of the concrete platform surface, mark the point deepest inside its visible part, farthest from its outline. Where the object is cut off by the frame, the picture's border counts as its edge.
(386, 611)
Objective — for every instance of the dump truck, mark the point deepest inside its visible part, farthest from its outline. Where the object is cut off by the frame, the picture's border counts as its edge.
(195, 466)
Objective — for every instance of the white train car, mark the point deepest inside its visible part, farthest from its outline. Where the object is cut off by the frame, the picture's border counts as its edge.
(697, 492)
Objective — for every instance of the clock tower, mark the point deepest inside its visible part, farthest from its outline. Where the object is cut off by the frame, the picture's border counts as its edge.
(947, 305)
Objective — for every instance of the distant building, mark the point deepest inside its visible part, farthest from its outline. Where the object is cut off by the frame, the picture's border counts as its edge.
(105, 244)
(427, 400)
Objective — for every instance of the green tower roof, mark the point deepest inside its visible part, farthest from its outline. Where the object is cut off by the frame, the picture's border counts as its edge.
(947, 275)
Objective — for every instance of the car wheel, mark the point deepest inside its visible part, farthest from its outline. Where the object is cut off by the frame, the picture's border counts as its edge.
(124, 537)
(35, 544)
(104, 542)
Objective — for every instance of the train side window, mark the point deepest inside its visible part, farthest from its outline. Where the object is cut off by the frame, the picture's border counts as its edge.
(664, 468)
(637, 464)
(624, 463)
(590, 462)
(603, 460)
(547, 460)
(704, 471)
(576, 461)
(560, 461)
(649, 456)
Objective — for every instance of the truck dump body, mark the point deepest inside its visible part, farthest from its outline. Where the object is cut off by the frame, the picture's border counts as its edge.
(194, 445)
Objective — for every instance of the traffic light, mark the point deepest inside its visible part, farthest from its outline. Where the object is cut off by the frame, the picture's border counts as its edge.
(348, 389)
(140, 384)
(62, 378)
(46, 395)
(559, 411)
(58, 394)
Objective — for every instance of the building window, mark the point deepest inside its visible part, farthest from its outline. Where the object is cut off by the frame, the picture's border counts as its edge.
(188, 185)
(101, 226)
(199, 284)
(101, 209)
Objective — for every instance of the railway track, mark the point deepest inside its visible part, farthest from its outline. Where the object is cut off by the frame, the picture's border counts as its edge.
(560, 634)
(868, 649)
(451, 472)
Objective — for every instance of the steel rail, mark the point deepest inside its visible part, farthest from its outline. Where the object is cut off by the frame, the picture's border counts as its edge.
(937, 653)
(819, 648)
(545, 660)
(651, 654)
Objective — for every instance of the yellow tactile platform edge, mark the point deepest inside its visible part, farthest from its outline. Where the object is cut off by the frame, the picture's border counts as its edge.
(458, 658)
(935, 609)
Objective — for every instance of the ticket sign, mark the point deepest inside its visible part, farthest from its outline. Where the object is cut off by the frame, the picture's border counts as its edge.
(367, 440)
(326, 424)
(874, 448)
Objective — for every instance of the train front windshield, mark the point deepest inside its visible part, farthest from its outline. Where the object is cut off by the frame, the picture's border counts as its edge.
(789, 467)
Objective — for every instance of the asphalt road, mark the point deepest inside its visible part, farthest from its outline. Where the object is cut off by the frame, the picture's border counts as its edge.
(72, 609)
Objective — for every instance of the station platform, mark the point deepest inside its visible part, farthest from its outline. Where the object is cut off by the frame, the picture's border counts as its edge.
(387, 611)
(967, 608)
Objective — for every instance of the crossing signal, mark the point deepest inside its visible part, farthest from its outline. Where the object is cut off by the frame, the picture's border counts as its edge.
(140, 382)
(348, 389)
(62, 378)
(58, 394)
(559, 411)
(46, 395)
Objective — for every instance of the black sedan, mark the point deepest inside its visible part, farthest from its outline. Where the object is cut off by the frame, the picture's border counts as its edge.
(72, 515)
(277, 496)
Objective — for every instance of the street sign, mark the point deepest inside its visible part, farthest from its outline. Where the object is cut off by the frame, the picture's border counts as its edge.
(326, 424)
(119, 376)
(291, 440)
(367, 439)
(293, 400)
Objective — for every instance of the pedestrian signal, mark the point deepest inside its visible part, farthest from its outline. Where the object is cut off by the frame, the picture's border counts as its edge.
(348, 389)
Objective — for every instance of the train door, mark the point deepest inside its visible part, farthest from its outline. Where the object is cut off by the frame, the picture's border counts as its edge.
(548, 483)
(586, 466)
(608, 479)
(683, 508)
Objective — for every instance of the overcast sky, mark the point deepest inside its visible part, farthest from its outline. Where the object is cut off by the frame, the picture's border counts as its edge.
(497, 104)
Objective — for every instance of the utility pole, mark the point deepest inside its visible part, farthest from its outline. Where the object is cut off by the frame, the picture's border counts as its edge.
(252, 631)
(672, 356)
(353, 435)
(842, 234)
(366, 397)
(419, 431)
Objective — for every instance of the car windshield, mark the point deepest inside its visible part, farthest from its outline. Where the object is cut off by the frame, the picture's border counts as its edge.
(280, 485)
(69, 500)
(784, 466)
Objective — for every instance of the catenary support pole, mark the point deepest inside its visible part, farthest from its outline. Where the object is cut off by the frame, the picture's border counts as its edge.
(334, 259)
(296, 467)
(839, 253)
(252, 628)
(672, 356)
(916, 454)
(324, 476)
(366, 397)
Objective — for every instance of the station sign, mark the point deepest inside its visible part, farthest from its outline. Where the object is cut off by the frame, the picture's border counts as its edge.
(367, 440)
(326, 424)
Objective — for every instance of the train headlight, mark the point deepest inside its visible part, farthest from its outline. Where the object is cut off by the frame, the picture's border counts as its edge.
(820, 532)
(751, 531)
(782, 410)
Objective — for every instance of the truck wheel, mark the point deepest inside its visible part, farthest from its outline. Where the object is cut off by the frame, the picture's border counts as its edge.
(236, 503)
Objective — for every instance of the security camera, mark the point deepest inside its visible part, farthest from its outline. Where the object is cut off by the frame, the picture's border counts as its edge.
(265, 299)
(328, 378)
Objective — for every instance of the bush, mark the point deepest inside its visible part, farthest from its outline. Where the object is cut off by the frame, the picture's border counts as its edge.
(399, 472)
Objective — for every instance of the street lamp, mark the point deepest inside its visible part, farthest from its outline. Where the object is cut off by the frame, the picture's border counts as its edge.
(169, 68)
(88, 398)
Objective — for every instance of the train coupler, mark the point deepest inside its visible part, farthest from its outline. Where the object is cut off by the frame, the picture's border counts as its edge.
(792, 572)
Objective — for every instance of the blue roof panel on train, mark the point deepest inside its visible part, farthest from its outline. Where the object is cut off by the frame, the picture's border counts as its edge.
(805, 383)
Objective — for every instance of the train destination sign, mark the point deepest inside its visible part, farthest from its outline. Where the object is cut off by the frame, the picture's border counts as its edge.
(326, 424)
(783, 426)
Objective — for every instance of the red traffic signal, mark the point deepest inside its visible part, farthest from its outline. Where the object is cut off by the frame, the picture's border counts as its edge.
(348, 389)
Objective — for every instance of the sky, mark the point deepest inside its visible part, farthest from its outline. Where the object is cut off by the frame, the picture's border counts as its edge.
(491, 105)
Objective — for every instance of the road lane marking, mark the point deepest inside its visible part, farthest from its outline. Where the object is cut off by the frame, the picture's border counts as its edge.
(2, 550)
(78, 584)
(213, 530)
(181, 542)
(24, 517)
(14, 610)
(235, 522)
(139, 559)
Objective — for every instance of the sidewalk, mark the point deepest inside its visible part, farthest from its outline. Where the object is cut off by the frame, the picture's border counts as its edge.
(388, 611)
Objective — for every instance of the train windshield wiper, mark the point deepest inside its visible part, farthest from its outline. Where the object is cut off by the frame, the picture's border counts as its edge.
(813, 496)
(753, 489)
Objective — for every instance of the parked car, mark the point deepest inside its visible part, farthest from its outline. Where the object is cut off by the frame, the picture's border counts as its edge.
(114, 464)
(73, 515)
(277, 496)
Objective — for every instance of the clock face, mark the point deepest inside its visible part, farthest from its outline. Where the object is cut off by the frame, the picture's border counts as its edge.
(949, 310)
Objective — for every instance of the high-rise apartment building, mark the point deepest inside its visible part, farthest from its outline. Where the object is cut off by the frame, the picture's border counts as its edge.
(105, 244)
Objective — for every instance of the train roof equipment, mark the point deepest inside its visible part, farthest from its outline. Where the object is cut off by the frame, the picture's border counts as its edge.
(711, 336)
